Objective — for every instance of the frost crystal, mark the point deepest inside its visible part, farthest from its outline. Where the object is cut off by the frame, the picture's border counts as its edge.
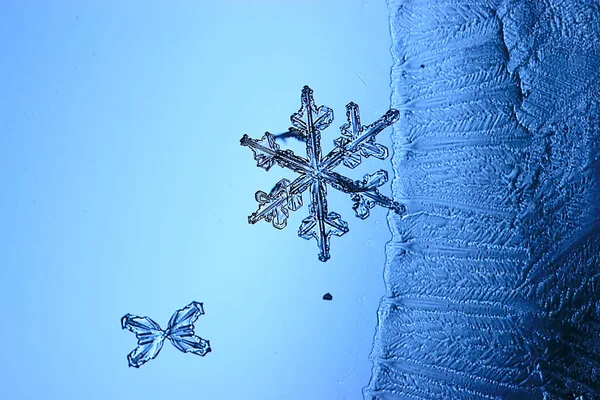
(151, 337)
(316, 171)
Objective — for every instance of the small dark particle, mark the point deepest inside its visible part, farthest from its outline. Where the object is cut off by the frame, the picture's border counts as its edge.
(422, 66)
(327, 296)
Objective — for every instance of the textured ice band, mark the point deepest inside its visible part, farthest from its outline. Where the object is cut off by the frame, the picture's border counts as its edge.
(493, 275)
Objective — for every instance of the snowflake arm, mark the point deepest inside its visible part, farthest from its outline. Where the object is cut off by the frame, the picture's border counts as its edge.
(150, 339)
(317, 119)
(365, 193)
(358, 140)
(274, 207)
(320, 224)
(181, 330)
(267, 153)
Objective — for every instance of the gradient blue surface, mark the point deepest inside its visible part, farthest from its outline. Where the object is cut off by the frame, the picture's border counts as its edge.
(125, 190)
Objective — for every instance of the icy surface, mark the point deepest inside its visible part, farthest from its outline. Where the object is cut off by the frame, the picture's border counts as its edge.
(316, 171)
(492, 274)
(180, 331)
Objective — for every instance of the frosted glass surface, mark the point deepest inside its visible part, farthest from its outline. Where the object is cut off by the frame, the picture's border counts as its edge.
(492, 275)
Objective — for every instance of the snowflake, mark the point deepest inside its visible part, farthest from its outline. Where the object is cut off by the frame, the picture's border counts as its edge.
(316, 171)
(180, 332)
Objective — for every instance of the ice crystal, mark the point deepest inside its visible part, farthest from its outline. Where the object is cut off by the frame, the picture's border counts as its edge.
(151, 337)
(316, 172)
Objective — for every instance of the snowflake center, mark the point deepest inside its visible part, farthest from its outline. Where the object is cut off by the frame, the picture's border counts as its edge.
(317, 173)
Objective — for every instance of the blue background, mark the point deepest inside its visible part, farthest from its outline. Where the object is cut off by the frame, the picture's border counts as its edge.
(125, 190)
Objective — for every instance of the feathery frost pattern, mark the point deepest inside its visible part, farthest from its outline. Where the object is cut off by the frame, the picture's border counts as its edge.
(492, 273)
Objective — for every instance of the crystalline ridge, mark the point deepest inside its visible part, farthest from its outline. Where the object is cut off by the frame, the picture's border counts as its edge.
(316, 171)
(180, 332)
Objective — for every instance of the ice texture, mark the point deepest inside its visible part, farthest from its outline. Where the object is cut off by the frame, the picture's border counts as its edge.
(180, 332)
(316, 171)
(492, 275)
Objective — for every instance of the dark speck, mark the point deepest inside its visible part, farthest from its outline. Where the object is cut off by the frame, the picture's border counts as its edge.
(327, 296)
(422, 66)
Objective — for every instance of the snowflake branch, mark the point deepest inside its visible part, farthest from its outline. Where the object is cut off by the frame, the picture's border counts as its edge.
(266, 157)
(274, 207)
(339, 153)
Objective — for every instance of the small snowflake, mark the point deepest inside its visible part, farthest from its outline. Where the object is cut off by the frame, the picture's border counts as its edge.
(151, 337)
(316, 171)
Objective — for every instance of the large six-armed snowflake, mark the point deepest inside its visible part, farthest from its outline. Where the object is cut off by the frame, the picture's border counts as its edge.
(316, 171)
